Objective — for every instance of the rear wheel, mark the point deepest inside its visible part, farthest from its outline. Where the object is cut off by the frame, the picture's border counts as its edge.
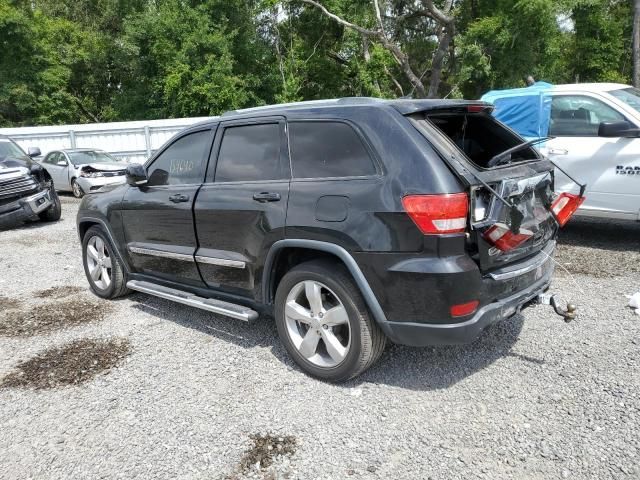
(103, 268)
(324, 323)
(54, 212)
(76, 189)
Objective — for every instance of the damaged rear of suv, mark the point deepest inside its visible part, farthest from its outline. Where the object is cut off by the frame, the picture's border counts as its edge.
(26, 189)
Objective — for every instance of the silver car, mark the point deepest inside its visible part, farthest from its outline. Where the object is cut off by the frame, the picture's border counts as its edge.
(83, 170)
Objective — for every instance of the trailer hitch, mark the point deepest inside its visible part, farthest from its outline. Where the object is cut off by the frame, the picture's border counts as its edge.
(568, 314)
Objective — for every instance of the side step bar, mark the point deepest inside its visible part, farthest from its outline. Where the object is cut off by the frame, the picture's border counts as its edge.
(211, 305)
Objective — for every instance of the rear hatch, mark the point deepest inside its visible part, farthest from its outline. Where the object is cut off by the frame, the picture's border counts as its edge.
(510, 204)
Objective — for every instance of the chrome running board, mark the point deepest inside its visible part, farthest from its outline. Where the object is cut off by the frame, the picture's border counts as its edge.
(209, 304)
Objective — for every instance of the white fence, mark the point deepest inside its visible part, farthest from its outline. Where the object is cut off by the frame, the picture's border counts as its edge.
(131, 141)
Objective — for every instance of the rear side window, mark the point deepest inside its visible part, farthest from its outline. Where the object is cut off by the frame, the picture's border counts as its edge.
(182, 162)
(249, 153)
(327, 149)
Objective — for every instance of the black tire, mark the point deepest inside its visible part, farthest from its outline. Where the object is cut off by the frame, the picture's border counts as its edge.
(367, 339)
(118, 284)
(76, 189)
(54, 212)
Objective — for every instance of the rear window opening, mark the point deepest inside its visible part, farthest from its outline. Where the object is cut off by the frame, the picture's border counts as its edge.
(479, 136)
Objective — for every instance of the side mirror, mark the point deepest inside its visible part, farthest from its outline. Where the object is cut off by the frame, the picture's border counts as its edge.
(620, 128)
(136, 175)
(61, 163)
(34, 152)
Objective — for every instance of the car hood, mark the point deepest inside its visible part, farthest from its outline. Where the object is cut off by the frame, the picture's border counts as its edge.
(106, 166)
(16, 162)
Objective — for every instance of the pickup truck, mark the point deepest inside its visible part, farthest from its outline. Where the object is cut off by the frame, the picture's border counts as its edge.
(594, 131)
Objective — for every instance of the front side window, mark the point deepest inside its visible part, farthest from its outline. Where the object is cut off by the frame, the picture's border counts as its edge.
(326, 150)
(630, 96)
(579, 116)
(182, 163)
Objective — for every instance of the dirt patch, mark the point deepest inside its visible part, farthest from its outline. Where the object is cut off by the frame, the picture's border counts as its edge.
(50, 316)
(71, 364)
(59, 292)
(9, 303)
(265, 449)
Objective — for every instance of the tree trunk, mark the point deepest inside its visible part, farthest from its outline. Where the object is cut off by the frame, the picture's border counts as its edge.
(438, 59)
(636, 44)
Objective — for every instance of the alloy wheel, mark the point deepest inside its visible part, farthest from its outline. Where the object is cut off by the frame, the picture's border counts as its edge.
(98, 262)
(317, 324)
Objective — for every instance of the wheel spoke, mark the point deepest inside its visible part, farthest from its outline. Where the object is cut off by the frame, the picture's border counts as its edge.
(309, 343)
(95, 272)
(297, 312)
(93, 253)
(100, 246)
(335, 316)
(106, 261)
(334, 348)
(314, 296)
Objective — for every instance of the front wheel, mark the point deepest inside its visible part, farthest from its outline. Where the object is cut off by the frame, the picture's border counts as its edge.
(54, 212)
(324, 323)
(76, 189)
(103, 268)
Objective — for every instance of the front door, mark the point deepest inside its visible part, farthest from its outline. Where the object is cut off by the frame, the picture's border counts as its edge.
(158, 217)
(59, 173)
(599, 162)
(241, 209)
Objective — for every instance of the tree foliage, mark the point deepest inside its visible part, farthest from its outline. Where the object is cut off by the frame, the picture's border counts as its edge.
(74, 61)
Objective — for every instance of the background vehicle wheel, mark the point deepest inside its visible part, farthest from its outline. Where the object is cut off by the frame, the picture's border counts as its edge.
(324, 323)
(54, 212)
(103, 268)
(77, 189)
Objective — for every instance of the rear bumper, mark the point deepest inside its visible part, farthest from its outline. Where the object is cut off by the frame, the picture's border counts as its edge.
(417, 294)
(25, 208)
(423, 334)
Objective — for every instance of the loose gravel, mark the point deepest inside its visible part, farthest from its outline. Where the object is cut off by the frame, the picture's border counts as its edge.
(532, 398)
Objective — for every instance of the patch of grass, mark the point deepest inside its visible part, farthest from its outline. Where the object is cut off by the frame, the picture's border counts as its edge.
(51, 316)
(264, 450)
(71, 364)
(9, 303)
(59, 292)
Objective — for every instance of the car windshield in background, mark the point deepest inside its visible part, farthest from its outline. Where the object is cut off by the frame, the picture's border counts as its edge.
(9, 149)
(79, 158)
(630, 96)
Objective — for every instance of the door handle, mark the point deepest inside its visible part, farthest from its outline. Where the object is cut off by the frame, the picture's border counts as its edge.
(264, 197)
(179, 197)
(557, 151)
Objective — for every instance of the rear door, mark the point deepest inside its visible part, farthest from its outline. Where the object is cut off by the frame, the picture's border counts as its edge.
(241, 209)
(595, 160)
(157, 217)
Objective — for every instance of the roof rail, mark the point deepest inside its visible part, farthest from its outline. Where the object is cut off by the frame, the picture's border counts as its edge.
(332, 101)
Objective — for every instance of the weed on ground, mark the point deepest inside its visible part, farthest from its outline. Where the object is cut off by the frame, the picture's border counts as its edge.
(59, 292)
(71, 364)
(265, 449)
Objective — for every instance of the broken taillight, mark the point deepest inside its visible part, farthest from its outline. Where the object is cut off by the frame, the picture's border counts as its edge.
(501, 237)
(436, 214)
(565, 206)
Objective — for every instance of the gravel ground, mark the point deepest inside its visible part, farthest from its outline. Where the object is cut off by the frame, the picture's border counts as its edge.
(204, 397)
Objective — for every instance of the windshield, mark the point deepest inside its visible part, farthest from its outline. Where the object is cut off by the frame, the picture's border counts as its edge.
(630, 96)
(80, 158)
(10, 149)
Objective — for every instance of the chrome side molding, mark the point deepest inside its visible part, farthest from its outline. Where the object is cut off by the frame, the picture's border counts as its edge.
(161, 253)
(223, 262)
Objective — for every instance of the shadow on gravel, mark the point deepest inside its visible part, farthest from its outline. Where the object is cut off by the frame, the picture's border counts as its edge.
(429, 368)
(601, 234)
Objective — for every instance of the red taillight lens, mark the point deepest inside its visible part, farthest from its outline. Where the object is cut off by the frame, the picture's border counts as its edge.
(463, 309)
(565, 206)
(501, 237)
(435, 214)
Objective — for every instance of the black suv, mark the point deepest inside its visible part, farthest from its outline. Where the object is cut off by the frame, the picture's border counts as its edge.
(350, 221)
(26, 189)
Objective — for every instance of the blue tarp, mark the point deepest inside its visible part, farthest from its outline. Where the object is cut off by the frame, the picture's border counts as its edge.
(526, 110)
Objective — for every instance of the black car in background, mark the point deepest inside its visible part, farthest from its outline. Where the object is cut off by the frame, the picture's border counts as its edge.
(351, 221)
(26, 189)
